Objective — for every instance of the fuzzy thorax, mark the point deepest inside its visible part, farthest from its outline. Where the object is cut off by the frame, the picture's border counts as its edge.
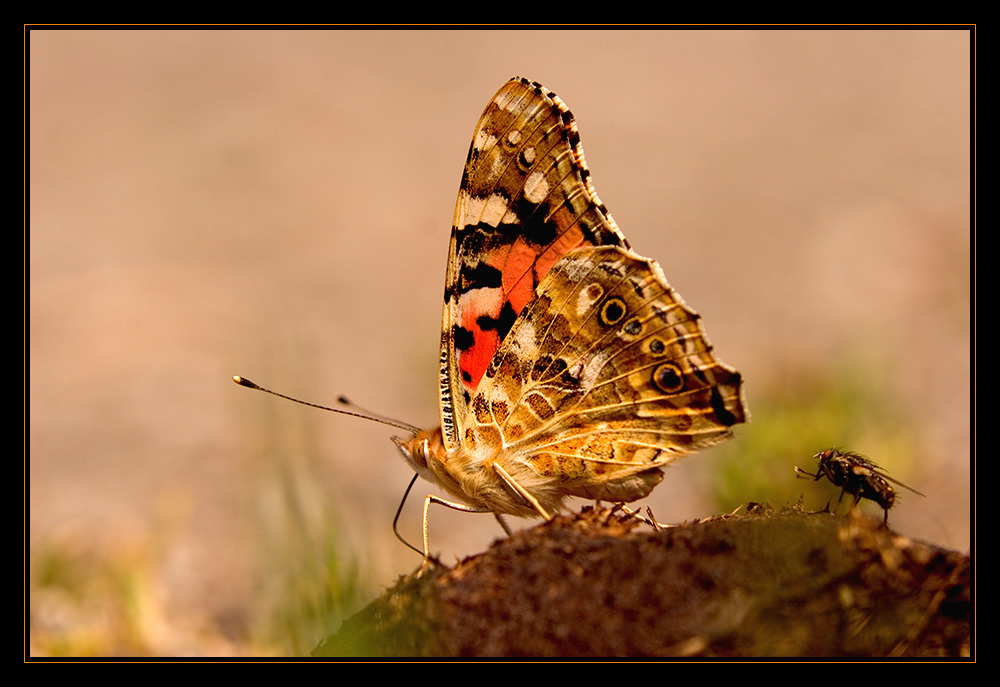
(480, 482)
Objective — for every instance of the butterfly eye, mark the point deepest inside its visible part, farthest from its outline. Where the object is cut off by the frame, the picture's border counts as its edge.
(668, 378)
(613, 311)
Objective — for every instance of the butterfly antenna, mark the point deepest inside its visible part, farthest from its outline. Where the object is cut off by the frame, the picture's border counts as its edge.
(395, 520)
(375, 417)
(357, 412)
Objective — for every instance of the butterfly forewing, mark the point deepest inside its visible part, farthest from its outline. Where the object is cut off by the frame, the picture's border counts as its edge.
(526, 200)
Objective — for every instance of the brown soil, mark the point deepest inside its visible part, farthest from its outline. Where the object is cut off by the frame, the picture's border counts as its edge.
(760, 584)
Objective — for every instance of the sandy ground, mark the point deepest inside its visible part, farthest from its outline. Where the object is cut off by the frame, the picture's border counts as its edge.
(276, 204)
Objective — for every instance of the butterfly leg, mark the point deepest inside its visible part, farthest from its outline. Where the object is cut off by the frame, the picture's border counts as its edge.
(503, 524)
(651, 521)
(454, 506)
(521, 491)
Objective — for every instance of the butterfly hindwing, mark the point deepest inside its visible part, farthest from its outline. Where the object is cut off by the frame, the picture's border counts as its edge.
(605, 377)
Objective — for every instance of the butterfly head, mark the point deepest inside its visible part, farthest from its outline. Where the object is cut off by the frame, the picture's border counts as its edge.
(420, 449)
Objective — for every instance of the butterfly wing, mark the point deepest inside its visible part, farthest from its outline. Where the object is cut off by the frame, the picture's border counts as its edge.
(525, 201)
(606, 377)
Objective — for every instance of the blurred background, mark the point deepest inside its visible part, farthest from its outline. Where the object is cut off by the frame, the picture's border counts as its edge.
(277, 204)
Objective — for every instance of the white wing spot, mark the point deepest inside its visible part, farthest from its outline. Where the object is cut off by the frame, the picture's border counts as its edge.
(536, 188)
(505, 100)
(492, 210)
(483, 140)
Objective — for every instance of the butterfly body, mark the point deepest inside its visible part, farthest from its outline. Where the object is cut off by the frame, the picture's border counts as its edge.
(569, 366)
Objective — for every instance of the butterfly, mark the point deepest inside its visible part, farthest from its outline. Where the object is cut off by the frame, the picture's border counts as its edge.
(568, 365)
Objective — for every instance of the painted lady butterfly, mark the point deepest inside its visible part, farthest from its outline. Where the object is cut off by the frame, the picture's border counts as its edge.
(569, 367)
